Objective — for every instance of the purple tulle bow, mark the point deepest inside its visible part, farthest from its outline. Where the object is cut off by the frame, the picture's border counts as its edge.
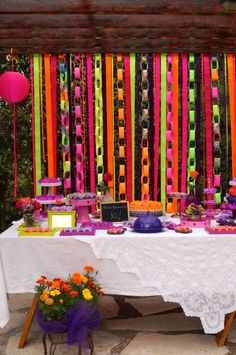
(78, 322)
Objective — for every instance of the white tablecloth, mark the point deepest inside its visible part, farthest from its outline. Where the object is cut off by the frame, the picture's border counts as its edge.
(196, 270)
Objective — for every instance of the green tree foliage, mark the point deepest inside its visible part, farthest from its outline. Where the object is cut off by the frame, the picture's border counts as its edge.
(8, 211)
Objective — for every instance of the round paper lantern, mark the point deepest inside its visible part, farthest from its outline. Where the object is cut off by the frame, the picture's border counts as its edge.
(14, 86)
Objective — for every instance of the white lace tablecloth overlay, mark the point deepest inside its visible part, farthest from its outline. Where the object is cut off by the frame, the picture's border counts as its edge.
(198, 272)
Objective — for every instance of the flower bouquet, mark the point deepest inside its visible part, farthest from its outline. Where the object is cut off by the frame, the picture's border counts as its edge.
(69, 305)
(28, 205)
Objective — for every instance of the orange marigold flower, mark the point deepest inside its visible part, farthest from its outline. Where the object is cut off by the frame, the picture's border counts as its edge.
(43, 277)
(74, 293)
(194, 174)
(84, 279)
(49, 283)
(66, 288)
(56, 284)
(49, 301)
(76, 277)
(88, 268)
(43, 297)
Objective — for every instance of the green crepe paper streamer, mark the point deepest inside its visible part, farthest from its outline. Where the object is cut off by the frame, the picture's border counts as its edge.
(37, 124)
(163, 130)
(132, 87)
(98, 118)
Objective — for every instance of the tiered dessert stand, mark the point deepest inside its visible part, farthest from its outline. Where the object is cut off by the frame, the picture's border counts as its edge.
(49, 198)
(230, 205)
(209, 203)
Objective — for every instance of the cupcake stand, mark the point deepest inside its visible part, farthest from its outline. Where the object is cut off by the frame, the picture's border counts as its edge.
(82, 206)
(49, 198)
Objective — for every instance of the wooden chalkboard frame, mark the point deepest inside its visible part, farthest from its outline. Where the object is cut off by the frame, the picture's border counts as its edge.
(122, 208)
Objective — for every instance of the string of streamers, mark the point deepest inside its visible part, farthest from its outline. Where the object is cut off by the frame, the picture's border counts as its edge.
(32, 121)
(191, 116)
(65, 123)
(98, 118)
(129, 155)
(133, 93)
(110, 120)
(49, 116)
(231, 85)
(145, 162)
(184, 127)
(79, 143)
(156, 65)
(89, 67)
(37, 121)
(121, 128)
(169, 131)
(216, 127)
(163, 130)
(175, 63)
(208, 118)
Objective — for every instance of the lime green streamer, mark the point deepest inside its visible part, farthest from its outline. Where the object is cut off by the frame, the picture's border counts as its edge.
(132, 89)
(163, 130)
(37, 124)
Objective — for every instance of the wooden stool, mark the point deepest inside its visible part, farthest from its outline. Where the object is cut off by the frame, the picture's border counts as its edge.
(61, 338)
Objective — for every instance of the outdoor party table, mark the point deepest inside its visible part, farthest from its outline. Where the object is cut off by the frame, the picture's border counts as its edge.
(196, 270)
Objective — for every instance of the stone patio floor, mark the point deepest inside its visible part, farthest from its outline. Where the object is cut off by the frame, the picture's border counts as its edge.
(131, 326)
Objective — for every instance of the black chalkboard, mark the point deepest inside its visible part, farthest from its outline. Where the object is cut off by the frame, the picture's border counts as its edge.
(115, 212)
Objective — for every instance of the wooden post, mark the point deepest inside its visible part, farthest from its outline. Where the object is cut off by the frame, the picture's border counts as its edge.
(221, 337)
(28, 322)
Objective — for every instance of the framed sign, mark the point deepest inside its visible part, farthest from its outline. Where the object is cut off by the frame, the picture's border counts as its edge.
(61, 219)
(115, 212)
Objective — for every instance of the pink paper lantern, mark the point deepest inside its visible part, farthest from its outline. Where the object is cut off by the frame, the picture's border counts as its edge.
(14, 87)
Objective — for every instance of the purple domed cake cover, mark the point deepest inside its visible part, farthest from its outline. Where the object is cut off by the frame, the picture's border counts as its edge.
(148, 223)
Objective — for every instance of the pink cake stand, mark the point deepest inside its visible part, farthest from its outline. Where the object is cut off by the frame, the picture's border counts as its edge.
(82, 208)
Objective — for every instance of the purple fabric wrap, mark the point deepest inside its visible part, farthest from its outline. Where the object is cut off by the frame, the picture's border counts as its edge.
(78, 322)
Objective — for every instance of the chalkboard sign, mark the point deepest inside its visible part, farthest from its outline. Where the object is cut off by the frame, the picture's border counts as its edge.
(115, 212)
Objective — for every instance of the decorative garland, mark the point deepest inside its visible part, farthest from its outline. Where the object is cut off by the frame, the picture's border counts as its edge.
(184, 126)
(98, 117)
(191, 116)
(65, 123)
(156, 65)
(121, 128)
(145, 162)
(129, 155)
(37, 140)
(110, 120)
(79, 142)
(163, 130)
(216, 126)
(208, 119)
(169, 130)
(175, 63)
(231, 84)
(89, 67)
(133, 92)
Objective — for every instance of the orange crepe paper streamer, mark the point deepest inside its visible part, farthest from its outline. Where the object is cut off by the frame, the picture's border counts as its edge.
(110, 124)
(231, 80)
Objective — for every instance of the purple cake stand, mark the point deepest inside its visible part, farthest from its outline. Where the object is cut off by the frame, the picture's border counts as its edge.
(82, 208)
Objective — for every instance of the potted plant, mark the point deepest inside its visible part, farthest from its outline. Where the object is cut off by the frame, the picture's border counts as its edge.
(194, 212)
(70, 305)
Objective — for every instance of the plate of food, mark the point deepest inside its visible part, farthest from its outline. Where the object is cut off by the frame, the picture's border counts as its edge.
(183, 230)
